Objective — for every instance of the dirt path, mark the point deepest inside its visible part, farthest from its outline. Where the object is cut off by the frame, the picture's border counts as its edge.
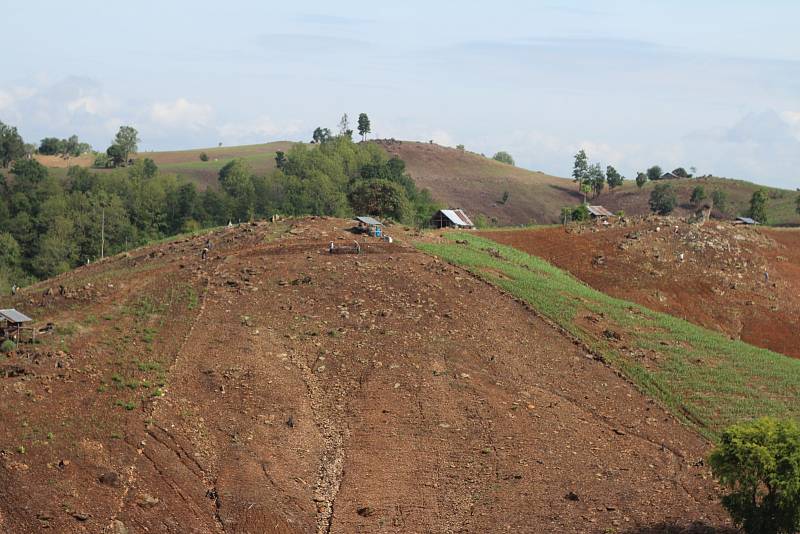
(384, 392)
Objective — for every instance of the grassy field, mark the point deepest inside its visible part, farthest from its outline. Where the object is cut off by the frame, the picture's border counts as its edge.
(706, 379)
(187, 163)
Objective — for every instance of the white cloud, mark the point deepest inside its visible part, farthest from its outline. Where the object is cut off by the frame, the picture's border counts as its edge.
(180, 113)
(92, 104)
(257, 130)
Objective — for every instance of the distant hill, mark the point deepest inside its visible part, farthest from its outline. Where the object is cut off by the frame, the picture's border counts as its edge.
(187, 163)
(475, 183)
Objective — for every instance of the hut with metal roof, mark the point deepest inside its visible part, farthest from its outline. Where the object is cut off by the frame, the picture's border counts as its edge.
(453, 218)
(369, 225)
(744, 220)
(14, 323)
(599, 212)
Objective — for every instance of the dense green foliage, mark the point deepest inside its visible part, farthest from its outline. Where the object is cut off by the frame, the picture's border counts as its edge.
(12, 146)
(364, 126)
(759, 463)
(698, 195)
(720, 199)
(663, 199)
(53, 146)
(580, 213)
(596, 178)
(614, 178)
(503, 157)
(654, 173)
(126, 143)
(758, 206)
(703, 377)
(580, 168)
(7, 346)
(48, 225)
(680, 172)
(641, 179)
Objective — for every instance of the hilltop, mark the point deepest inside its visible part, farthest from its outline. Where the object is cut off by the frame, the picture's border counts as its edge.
(277, 388)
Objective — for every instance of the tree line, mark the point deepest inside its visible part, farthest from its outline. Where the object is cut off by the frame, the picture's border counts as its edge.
(50, 225)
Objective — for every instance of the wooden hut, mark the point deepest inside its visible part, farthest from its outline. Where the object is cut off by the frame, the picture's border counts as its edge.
(14, 323)
(370, 226)
(455, 218)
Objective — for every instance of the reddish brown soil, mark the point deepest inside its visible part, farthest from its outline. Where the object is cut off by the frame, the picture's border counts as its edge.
(718, 284)
(308, 392)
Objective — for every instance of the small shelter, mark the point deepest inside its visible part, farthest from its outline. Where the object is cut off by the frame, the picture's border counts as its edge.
(455, 218)
(745, 220)
(669, 176)
(599, 212)
(13, 323)
(370, 226)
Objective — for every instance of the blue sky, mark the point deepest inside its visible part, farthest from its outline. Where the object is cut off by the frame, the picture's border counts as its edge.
(712, 84)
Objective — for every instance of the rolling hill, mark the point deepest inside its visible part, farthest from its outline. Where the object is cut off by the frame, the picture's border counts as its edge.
(276, 388)
(477, 184)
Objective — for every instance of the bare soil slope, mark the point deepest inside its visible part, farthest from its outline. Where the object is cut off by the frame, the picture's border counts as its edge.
(278, 388)
(711, 275)
(475, 183)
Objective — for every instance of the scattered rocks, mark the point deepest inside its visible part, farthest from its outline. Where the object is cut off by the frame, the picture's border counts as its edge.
(110, 478)
(145, 500)
(365, 511)
(572, 496)
(117, 527)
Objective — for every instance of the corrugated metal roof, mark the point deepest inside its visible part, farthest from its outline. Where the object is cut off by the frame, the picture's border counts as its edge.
(746, 220)
(369, 220)
(463, 217)
(454, 217)
(599, 211)
(14, 316)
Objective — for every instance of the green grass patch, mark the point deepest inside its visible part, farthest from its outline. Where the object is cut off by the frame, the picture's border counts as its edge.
(706, 379)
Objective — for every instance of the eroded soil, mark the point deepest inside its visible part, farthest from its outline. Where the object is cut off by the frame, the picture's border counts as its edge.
(277, 388)
(713, 275)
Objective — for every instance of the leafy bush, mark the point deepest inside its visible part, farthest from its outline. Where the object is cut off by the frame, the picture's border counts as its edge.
(7, 346)
(580, 213)
(203, 156)
(654, 173)
(663, 199)
(698, 195)
(759, 462)
(720, 199)
(758, 206)
(503, 157)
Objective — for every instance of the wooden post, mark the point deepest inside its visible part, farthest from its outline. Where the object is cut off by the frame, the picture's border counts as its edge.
(103, 234)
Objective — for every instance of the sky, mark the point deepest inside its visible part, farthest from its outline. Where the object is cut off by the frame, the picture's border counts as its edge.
(710, 84)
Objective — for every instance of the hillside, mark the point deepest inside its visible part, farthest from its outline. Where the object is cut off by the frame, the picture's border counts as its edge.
(276, 388)
(712, 275)
(187, 163)
(470, 181)
(476, 183)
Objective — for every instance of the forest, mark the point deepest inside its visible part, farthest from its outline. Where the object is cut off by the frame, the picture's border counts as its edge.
(49, 225)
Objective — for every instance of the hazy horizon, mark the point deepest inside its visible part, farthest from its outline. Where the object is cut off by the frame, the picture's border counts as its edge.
(714, 86)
